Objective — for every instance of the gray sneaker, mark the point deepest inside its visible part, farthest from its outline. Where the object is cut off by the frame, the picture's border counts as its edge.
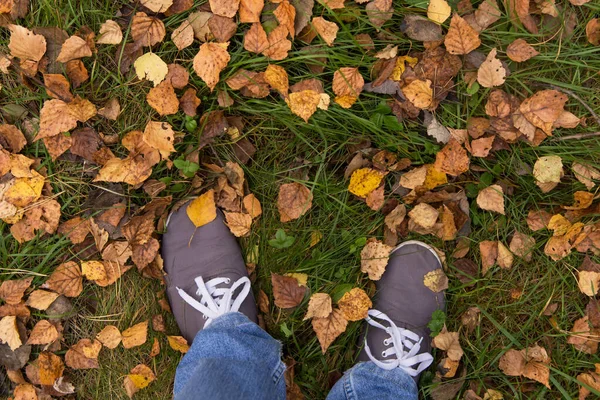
(206, 275)
(398, 335)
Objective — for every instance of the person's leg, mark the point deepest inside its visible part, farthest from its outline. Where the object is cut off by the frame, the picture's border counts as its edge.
(208, 288)
(397, 342)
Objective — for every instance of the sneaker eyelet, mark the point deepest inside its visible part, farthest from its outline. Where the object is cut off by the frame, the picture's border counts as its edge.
(204, 316)
(386, 342)
(228, 280)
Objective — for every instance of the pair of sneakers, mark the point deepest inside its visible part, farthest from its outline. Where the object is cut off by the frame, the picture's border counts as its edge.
(207, 277)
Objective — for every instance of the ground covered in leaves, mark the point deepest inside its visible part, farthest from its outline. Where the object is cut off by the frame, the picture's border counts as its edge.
(328, 131)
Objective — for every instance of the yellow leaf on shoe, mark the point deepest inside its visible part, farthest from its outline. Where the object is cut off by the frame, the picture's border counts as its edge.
(202, 210)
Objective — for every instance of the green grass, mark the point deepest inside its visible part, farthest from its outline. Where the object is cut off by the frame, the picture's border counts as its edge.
(316, 154)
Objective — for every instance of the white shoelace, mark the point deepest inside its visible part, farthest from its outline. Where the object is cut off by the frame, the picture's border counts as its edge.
(215, 301)
(400, 339)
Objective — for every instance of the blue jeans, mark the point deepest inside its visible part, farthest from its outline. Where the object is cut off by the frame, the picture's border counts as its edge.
(233, 358)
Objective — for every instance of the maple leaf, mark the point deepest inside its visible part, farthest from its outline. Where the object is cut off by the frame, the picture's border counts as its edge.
(286, 291)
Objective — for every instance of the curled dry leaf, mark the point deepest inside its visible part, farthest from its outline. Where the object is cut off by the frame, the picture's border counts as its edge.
(293, 201)
(365, 180)
(286, 291)
(110, 33)
(519, 51)
(135, 335)
(329, 328)
(319, 306)
(355, 304)
(395, 218)
(449, 342)
(491, 199)
(531, 363)
(374, 258)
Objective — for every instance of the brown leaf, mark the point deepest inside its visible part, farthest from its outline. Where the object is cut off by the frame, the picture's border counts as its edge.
(543, 109)
(41, 299)
(252, 206)
(135, 335)
(304, 103)
(238, 223)
(519, 51)
(26, 45)
(347, 83)
(278, 44)
(83, 355)
(452, 159)
(66, 279)
(147, 31)
(286, 14)
(222, 28)
(491, 199)
(491, 73)
(481, 147)
(286, 291)
(109, 336)
(13, 138)
(489, 254)
(354, 304)
(592, 31)
(189, 102)
(178, 76)
(461, 37)
(505, 257)
(9, 332)
(277, 77)
(329, 328)
(12, 291)
(424, 215)
(374, 259)
(209, 62)
(449, 342)
(293, 201)
(395, 218)
(163, 98)
(582, 337)
(225, 8)
(43, 333)
(111, 109)
(522, 245)
(50, 367)
(326, 29)
(319, 306)
(255, 39)
(74, 48)
(585, 174)
(157, 6)
(57, 86)
(139, 377)
(376, 198)
(419, 93)
(110, 33)
(250, 10)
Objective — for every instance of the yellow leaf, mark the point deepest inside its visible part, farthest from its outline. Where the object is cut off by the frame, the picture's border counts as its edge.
(151, 67)
(400, 66)
(202, 210)
(436, 280)
(300, 277)
(364, 180)
(355, 304)
(438, 11)
(93, 270)
(178, 343)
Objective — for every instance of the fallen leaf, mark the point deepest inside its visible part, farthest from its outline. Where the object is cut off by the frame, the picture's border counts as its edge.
(209, 62)
(131, 170)
(519, 50)
(110, 33)
(286, 291)
(585, 174)
(222, 28)
(355, 304)
(252, 206)
(438, 11)
(286, 14)
(157, 6)
(178, 343)
(109, 336)
(436, 280)
(50, 368)
(347, 84)
(41, 299)
(183, 36)
(531, 363)
(304, 103)
(238, 223)
(26, 45)
(481, 147)
(424, 215)
(163, 99)
(25, 391)
(250, 10)
(147, 31)
(461, 37)
(491, 199)
(544, 108)
(588, 282)
(449, 342)
(12, 291)
(374, 259)
(225, 8)
(592, 31)
(139, 378)
(277, 77)
(522, 245)
(548, 169)
(135, 335)
(43, 333)
(84, 354)
(329, 328)
(9, 333)
(58, 87)
(452, 159)
(489, 254)
(111, 110)
(66, 279)
(419, 93)
(505, 257)
(74, 48)
(202, 209)
(325, 29)
(151, 67)
(293, 201)
(13, 137)
(255, 39)
(491, 73)
(365, 180)
(319, 306)
(395, 218)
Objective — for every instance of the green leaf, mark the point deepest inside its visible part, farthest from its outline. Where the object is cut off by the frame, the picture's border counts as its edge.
(438, 319)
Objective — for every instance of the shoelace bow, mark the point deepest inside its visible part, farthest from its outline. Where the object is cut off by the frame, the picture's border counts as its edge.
(405, 345)
(216, 301)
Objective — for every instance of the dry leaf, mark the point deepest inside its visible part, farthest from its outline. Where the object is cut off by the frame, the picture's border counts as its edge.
(592, 31)
(424, 215)
(50, 368)
(41, 299)
(481, 147)
(109, 336)
(436, 280)
(139, 378)
(522, 245)
(255, 39)
(58, 87)
(286, 14)
(491, 73)
(110, 33)
(329, 328)
(286, 291)
(12, 291)
(250, 10)
(489, 254)
(277, 78)
(365, 180)
(183, 36)
(355, 304)
(548, 169)
(491, 199)
(519, 51)
(449, 342)
(111, 110)
(347, 84)
(202, 209)
(163, 99)
(252, 206)
(131, 170)
(585, 174)
(225, 8)
(326, 29)
(394, 219)
(505, 257)
(74, 48)
(278, 44)
(83, 355)
(544, 108)
(419, 93)
(438, 11)
(293, 201)
(9, 333)
(151, 67)
(157, 6)
(374, 259)
(189, 102)
(43, 333)
(319, 306)
(304, 103)
(238, 223)
(452, 159)
(147, 31)
(66, 279)
(178, 343)
(26, 45)
(209, 62)
(461, 37)
(135, 336)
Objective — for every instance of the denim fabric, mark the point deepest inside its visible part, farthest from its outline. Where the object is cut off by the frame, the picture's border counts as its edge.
(233, 358)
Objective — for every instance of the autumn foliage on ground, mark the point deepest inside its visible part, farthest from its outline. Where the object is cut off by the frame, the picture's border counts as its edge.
(444, 47)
